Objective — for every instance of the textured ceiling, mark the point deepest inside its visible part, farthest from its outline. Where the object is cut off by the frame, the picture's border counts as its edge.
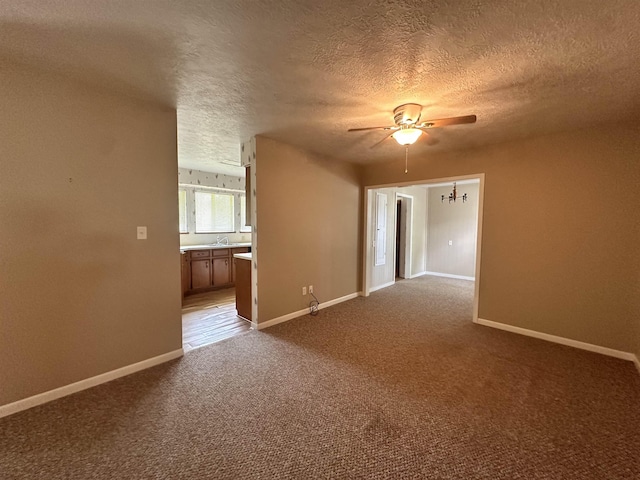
(304, 71)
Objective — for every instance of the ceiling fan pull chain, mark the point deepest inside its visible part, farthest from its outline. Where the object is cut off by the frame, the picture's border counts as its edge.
(406, 159)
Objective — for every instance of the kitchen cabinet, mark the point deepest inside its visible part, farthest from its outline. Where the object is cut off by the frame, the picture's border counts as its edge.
(185, 267)
(221, 271)
(200, 273)
(234, 262)
(243, 287)
(209, 269)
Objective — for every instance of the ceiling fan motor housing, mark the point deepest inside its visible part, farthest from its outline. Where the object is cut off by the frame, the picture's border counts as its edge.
(407, 114)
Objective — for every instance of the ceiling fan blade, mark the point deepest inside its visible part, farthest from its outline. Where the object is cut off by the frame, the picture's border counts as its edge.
(445, 122)
(380, 142)
(392, 127)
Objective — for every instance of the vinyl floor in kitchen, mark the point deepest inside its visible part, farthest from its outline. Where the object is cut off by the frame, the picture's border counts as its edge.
(210, 317)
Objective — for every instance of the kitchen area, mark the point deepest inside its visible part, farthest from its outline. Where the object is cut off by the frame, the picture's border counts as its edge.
(215, 257)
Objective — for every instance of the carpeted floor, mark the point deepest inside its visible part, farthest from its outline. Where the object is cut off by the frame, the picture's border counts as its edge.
(399, 385)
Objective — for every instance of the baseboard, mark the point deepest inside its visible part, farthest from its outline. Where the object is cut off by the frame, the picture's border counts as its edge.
(562, 341)
(448, 275)
(419, 274)
(379, 287)
(338, 300)
(41, 398)
(300, 313)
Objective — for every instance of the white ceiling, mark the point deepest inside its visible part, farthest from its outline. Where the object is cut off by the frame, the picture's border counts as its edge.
(304, 71)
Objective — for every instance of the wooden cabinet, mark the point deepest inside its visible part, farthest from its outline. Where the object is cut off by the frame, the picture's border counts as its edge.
(243, 288)
(209, 269)
(221, 271)
(185, 266)
(200, 273)
(234, 264)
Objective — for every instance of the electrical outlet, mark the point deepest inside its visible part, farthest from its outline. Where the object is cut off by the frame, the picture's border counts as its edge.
(450, 242)
(141, 233)
(310, 288)
(304, 290)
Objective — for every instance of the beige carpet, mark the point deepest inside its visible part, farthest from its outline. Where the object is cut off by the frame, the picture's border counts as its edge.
(399, 385)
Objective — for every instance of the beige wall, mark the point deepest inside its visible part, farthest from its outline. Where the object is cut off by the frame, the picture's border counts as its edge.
(309, 217)
(456, 222)
(561, 230)
(79, 295)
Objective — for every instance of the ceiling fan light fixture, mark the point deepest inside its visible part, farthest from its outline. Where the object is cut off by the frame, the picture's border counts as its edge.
(407, 136)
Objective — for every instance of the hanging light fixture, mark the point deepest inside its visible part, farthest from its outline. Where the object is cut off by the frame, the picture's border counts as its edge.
(454, 195)
(407, 136)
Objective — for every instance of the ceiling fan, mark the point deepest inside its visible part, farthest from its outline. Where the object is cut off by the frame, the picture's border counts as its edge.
(408, 127)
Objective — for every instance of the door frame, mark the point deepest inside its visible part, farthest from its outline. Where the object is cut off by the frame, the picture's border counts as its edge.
(406, 200)
(366, 237)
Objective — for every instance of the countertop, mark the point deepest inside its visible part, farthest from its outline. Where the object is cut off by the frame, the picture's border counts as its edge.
(244, 256)
(185, 248)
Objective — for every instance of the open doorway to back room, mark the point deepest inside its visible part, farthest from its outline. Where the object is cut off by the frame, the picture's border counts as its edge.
(213, 239)
(404, 236)
(427, 228)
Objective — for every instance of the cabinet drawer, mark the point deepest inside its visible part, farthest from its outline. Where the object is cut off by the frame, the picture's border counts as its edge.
(221, 252)
(241, 250)
(200, 253)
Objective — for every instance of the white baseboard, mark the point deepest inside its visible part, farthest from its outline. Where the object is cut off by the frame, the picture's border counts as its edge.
(448, 275)
(562, 341)
(419, 274)
(300, 313)
(379, 287)
(56, 393)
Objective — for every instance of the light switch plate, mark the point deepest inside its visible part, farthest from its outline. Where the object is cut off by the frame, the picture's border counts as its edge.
(142, 233)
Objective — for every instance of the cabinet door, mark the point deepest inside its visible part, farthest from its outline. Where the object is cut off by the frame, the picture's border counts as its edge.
(233, 269)
(186, 273)
(220, 271)
(243, 288)
(200, 273)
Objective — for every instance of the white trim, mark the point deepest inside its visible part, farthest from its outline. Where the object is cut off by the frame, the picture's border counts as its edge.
(41, 398)
(448, 275)
(208, 187)
(419, 274)
(380, 287)
(429, 181)
(300, 313)
(476, 289)
(561, 340)
(367, 242)
(338, 300)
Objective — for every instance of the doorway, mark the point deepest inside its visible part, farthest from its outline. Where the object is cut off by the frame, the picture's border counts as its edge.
(380, 275)
(403, 243)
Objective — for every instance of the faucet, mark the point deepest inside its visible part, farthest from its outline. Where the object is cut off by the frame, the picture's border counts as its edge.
(222, 241)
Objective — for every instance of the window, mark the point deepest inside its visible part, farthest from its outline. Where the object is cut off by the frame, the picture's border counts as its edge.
(243, 215)
(214, 212)
(182, 209)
